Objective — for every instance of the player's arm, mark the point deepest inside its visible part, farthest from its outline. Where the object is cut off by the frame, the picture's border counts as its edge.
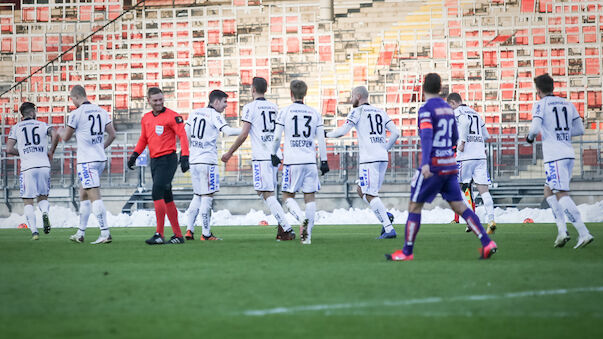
(461, 130)
(341, 131)
(393, 136)
(322, 148)
(182, 136)
(577, 125)
(140, 146)
(485, 133)
(537, 112)
(426, 135)
(238, 142)
(66, 133)
(110, 129)
(10, 147)
(54, 141)
(227, 130)
(276, 144)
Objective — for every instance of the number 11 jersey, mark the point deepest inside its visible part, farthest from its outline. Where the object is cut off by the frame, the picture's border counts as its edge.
(261, 114)
(557, 115)
(370, 123)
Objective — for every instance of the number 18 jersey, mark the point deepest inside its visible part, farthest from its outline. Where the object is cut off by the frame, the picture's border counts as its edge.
(557, 116)
(32, 142)
(89, 122)
(300, 123)
(370, 123)
(261, 114)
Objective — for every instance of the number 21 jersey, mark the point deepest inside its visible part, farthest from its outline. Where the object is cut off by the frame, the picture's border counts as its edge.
(89, 122)
(300, 123)
(557, 116)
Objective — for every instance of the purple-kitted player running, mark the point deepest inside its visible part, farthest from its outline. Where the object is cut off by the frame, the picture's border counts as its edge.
(438, 172)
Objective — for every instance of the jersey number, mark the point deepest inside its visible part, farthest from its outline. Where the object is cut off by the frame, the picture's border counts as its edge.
(378, 124)
(198, 129)
(308, 130)
(442, 137)
(34, 136)
(270, 119)
(477, 129)
(92, 131)
(559, 128)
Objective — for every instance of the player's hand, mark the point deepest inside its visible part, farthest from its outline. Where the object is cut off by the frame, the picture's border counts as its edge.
(324, 167)
(325, 133)
(528, 140)
(461, 147)
(275, 160)
(226, 156)
(426, 171)
(184, 166)
(50, 155)
(132, 160)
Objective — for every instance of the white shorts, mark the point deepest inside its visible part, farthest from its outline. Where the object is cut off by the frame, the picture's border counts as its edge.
(371, 177)
(474, 169)
(558, 174)
(34, 182)
(303, 176)
(89, 173)
(264, 176)
(205, 178)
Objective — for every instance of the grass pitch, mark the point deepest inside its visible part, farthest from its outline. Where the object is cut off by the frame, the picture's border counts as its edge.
(339, 287)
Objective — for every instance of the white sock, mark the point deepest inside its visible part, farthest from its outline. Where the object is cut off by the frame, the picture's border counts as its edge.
(572, 213)
(85, 208)
(43, 205)
(192, 212)
(98, 208)
(381, 214)
(558, 214)
(206, 215)
(489, 205)
(278, 212)
(310, 212)
(294, 209)
(30, 216)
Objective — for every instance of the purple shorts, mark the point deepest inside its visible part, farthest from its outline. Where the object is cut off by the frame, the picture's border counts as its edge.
(425, 190)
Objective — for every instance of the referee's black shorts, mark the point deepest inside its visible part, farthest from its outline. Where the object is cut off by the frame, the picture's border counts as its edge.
(163, 169)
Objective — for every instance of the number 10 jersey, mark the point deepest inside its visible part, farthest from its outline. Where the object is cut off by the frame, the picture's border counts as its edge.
(558, 117)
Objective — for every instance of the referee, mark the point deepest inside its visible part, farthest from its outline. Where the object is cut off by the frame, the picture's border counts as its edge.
(159, 129)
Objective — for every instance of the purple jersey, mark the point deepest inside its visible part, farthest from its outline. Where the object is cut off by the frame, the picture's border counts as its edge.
(438, 131)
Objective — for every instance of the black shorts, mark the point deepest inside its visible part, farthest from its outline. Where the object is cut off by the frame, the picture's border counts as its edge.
(163, 169)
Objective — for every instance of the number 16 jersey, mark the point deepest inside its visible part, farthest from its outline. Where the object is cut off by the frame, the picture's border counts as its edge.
(300, 123)
(557, 115)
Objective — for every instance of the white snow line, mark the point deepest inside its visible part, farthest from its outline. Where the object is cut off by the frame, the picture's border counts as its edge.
(431, 300)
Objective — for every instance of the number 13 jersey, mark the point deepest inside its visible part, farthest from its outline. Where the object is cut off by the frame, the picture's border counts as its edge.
(261, 114)
(370, 122)
(557, 115)
(300, 123)
(89, 122)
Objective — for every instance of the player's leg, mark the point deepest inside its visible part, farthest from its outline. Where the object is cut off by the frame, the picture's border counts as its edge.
(28, 191)
(85, 210)
(93, 193)
(30, 217)
(310, 185)
(370, 180)
(160, 183)
(264, 182)
(482, 180)
(43, 191)
(205, 210)
(193, 208)
(291, 184)
(170, 205)
(562, 234)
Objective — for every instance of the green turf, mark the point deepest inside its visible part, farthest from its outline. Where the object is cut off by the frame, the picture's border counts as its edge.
(54, 288)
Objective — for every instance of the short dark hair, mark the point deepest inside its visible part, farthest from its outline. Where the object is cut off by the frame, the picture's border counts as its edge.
(432, 83)
(153, 91)
(217, 94)
(298, 89)
(260, 85)
(545, 83)
(454, 97)
(78, 91)
(26, 107)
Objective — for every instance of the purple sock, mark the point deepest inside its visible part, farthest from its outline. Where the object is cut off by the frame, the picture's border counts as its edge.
(476, 226)
(413, 223)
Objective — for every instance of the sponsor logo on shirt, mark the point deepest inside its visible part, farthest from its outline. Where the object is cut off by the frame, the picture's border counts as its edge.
(158, 129)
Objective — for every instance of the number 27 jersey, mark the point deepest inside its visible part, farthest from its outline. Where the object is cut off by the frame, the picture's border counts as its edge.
(557, 116)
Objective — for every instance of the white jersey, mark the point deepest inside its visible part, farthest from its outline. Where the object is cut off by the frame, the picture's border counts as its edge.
(32, 142)
(300, 123)
(89, 122)
(261, 114)
(559, 118)
(203, 126)
(472, 130)
(370, 123)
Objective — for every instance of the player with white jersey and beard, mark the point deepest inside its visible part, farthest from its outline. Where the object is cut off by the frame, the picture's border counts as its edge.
(202, 128)
(471, 154)
(89, 122)
(372, 124)
(557, 120)
(259, 121)
(301, 124)
(30, 136)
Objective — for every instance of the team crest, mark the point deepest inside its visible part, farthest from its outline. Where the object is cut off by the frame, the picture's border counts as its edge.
(159, 130)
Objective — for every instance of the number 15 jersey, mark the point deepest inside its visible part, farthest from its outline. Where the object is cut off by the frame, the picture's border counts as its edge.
(370, 123)
(261, 114)
(89, 122)
(300, 123)
(558, 117)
